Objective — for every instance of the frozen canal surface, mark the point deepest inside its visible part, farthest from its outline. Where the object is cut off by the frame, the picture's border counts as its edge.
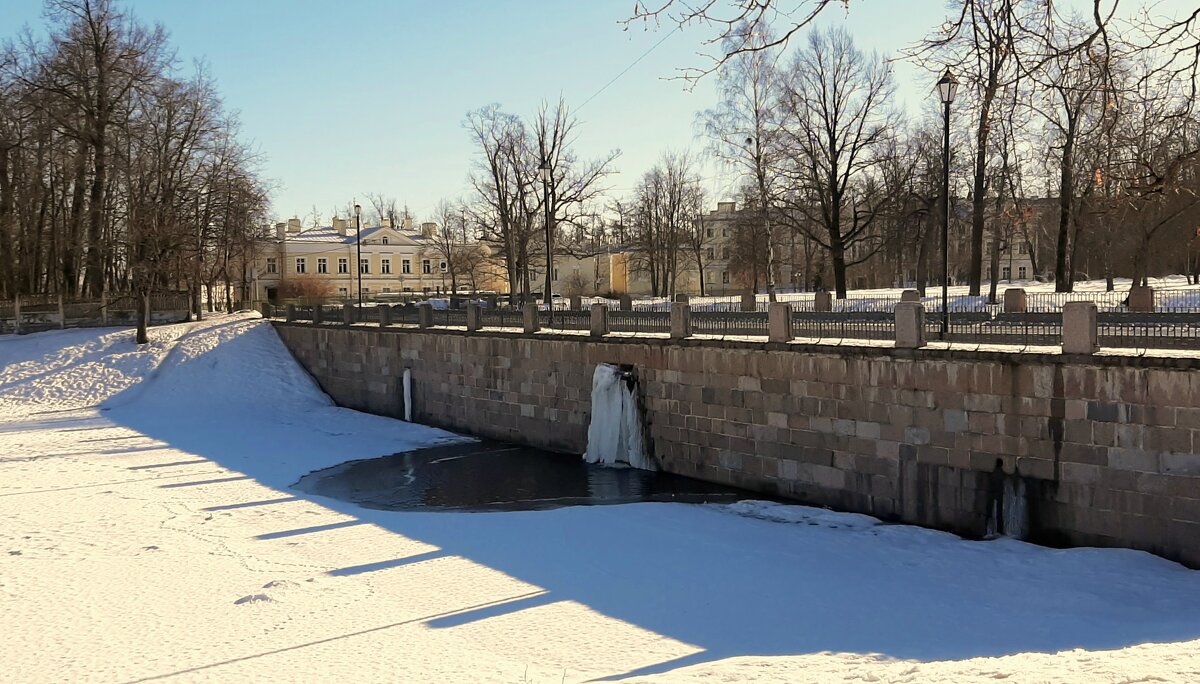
(493, 476)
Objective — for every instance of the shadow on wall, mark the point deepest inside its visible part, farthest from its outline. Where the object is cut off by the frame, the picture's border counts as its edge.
(727, 584)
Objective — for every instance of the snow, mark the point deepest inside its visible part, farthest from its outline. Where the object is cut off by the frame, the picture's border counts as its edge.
(616, 434)
(150, 534)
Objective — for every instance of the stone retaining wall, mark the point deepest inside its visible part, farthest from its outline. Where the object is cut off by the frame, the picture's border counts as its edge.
(1106, 445)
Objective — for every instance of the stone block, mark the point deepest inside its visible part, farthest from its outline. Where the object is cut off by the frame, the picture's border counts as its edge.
(599, 326)
(910, 325)
(424, 315)
(576, 303)
(681, 320)
(1079, 328)
(385, 315)
(348, 312)
(625, 303)
(290, 315)
(682, 298)
(910, 296)
(474, 317)
(1015, 300)
(529, 319)
(779, 322)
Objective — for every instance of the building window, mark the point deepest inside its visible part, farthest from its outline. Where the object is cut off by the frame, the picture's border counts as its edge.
(300, 265)
(342, 291)
(322, 265)
(724, 232)
(1022, 248)
(343, 265)
(272, 267)
(387, 289)
(1006, 273)
(710, 253)
(1021, 272)
(426, 267)
(383, 240)
(385, 266)
(725, 277)
(405, 266)
(364, 265)
(708, 232)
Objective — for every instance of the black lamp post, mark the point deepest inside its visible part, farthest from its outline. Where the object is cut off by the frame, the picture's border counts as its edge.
(545, 172)
(947, 88)
(358, 248)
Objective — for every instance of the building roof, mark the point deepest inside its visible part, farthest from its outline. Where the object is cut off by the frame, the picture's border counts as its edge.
(327, 234)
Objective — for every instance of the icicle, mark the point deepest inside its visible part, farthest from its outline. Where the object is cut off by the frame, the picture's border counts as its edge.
(616, 434)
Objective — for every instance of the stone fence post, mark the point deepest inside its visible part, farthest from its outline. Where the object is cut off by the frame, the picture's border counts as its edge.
(348, 312)
(681, 321)
(779, 322)
(599, 326)
(291, 313)
(682, 298)
(823, 301)
(385, 315)
(318, 314)
(1141, 298)
(910, 325)
(910, 296)
(1015, 300)
(576, 303)
(626, 304)
(529, 316)
(424, 315)
(474, 317)
(1080, 335)
(749, 301)
(264, 309)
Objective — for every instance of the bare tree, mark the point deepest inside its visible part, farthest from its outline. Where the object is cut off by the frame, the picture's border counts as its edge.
(836, 125)
(744, 130)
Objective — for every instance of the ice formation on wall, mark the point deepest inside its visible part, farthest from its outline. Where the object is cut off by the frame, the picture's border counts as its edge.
(616, 434)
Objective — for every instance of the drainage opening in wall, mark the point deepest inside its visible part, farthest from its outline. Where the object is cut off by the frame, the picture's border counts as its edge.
(1008, 504)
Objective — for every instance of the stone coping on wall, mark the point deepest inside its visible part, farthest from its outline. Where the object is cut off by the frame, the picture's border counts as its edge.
(1110, 357)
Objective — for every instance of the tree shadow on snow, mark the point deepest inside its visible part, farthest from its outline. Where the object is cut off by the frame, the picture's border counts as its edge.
(727, 584)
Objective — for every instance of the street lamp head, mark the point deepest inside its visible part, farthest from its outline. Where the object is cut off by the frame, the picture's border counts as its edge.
(544, 171)
(358, 210)
(947, 87)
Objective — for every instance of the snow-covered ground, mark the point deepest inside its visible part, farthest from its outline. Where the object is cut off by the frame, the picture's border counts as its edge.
(149, 534)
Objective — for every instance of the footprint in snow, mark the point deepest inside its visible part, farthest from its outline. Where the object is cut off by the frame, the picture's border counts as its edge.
(14, 553)
(254, 598)
(280, 584)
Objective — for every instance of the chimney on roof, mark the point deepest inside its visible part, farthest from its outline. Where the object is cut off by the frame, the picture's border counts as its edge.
(281, 231)
(408, 223)
(386, 222)
(293, 225)
(726, 207)
(428, 229)
(339, 225)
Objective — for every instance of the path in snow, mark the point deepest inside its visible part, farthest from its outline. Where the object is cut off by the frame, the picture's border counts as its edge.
(150, 533)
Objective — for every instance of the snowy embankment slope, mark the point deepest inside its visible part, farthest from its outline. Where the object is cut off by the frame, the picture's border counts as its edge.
(149, 534)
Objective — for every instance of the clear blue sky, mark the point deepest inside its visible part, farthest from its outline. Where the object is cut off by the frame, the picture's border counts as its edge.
(357, 96)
